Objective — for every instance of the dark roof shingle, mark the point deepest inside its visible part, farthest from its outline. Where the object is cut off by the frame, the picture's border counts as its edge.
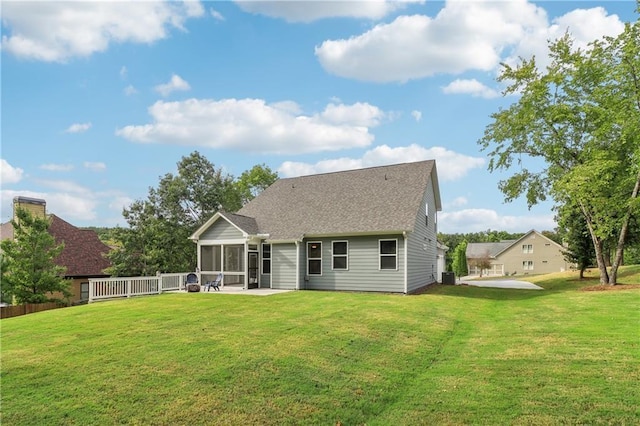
(373, 200)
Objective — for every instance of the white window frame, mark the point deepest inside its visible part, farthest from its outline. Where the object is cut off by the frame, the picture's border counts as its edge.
(381, 255)
(527, 248)
(426, 214)
(346, 256)
(527, 265)
(314, 258)
(263, 259)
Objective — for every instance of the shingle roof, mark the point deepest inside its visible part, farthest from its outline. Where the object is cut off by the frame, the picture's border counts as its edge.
(83, 253)
(373, 200)
(247, 224)
(475, 250)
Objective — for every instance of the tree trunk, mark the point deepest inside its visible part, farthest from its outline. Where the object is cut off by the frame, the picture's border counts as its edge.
(598, 246)
(613, 278)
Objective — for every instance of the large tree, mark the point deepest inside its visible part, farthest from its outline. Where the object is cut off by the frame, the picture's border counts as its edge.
(29, 271)
(581, 117)
(253, 182)
(157, 238)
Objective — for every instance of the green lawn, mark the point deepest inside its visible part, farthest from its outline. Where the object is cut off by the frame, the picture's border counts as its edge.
(453, 355)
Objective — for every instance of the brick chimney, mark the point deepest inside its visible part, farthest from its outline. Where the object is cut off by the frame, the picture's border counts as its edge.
(37, 207)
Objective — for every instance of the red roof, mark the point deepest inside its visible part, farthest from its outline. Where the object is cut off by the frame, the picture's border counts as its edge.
(83, 253)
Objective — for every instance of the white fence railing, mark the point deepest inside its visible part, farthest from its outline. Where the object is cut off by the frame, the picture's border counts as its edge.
(109, 288)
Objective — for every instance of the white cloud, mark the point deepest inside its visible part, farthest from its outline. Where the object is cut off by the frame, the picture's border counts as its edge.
(175, 84)
(255, 126)
(78, 128)
(463, 36)
(358, 114)
(95, 166)
(417, 115)
(450, 165)
(68, 206)
(476, 220)
(59, 31)
(308, 11)
(217, 15)
(458, 202)
(130, 90)
(120, 202)
(123, 72)
(584, 25)
(57, 167)
(470, 87)
(8, 173)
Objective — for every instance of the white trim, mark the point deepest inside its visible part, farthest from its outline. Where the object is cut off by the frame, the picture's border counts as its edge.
(297, 265)
(262, 259)
(387, 255)
(346, 255)
(196, 235)
(314, 258)
(406, 266)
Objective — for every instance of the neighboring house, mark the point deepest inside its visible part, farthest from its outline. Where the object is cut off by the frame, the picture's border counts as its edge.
(533, 253)
(83, 255)
(371, 229)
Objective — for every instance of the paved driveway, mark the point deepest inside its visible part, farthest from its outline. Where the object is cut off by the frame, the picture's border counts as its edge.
(522, 285)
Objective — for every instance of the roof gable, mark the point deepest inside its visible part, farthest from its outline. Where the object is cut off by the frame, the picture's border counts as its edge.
(374, 200)
(245, 225)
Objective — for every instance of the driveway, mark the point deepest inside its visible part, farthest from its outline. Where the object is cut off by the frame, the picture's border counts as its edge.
(521, 285)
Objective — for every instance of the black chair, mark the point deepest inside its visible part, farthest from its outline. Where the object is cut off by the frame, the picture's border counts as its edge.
(191, 284)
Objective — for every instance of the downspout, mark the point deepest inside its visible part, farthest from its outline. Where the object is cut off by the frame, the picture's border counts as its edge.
(405, 266)
(297, 265)
(246, 264)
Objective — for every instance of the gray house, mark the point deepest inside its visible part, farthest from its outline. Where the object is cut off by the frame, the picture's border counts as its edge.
(370, 229)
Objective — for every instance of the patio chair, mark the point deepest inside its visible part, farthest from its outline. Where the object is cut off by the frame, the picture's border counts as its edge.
(215, 283)
(192, 283)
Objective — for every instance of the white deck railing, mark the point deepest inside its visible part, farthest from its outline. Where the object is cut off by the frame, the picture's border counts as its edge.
(109, 288)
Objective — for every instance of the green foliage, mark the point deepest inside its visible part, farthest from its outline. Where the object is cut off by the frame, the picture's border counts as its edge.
(157, 238)
(581, 117)
(456, 355)
(29, 271)
(459, 264)
(253, 182)
(575, 233)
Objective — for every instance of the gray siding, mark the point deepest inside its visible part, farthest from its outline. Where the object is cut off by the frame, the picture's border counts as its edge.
(283, 266)
(265, 280)
(363, 272)
(422, 245)
(221, 230)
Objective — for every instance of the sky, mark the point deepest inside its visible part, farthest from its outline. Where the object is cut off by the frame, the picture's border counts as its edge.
(101, 99)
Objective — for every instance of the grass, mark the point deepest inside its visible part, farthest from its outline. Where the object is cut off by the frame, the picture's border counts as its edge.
(453, 355)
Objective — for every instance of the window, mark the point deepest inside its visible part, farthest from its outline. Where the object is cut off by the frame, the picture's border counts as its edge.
(527, 248)
(340, 255)
(527, 265)
(266, 258)
(210, 258)
(84, 291)
(426, 214)
(314, 258)
(388, 250)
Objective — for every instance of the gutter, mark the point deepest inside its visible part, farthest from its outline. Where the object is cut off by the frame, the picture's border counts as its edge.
(405, 266)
